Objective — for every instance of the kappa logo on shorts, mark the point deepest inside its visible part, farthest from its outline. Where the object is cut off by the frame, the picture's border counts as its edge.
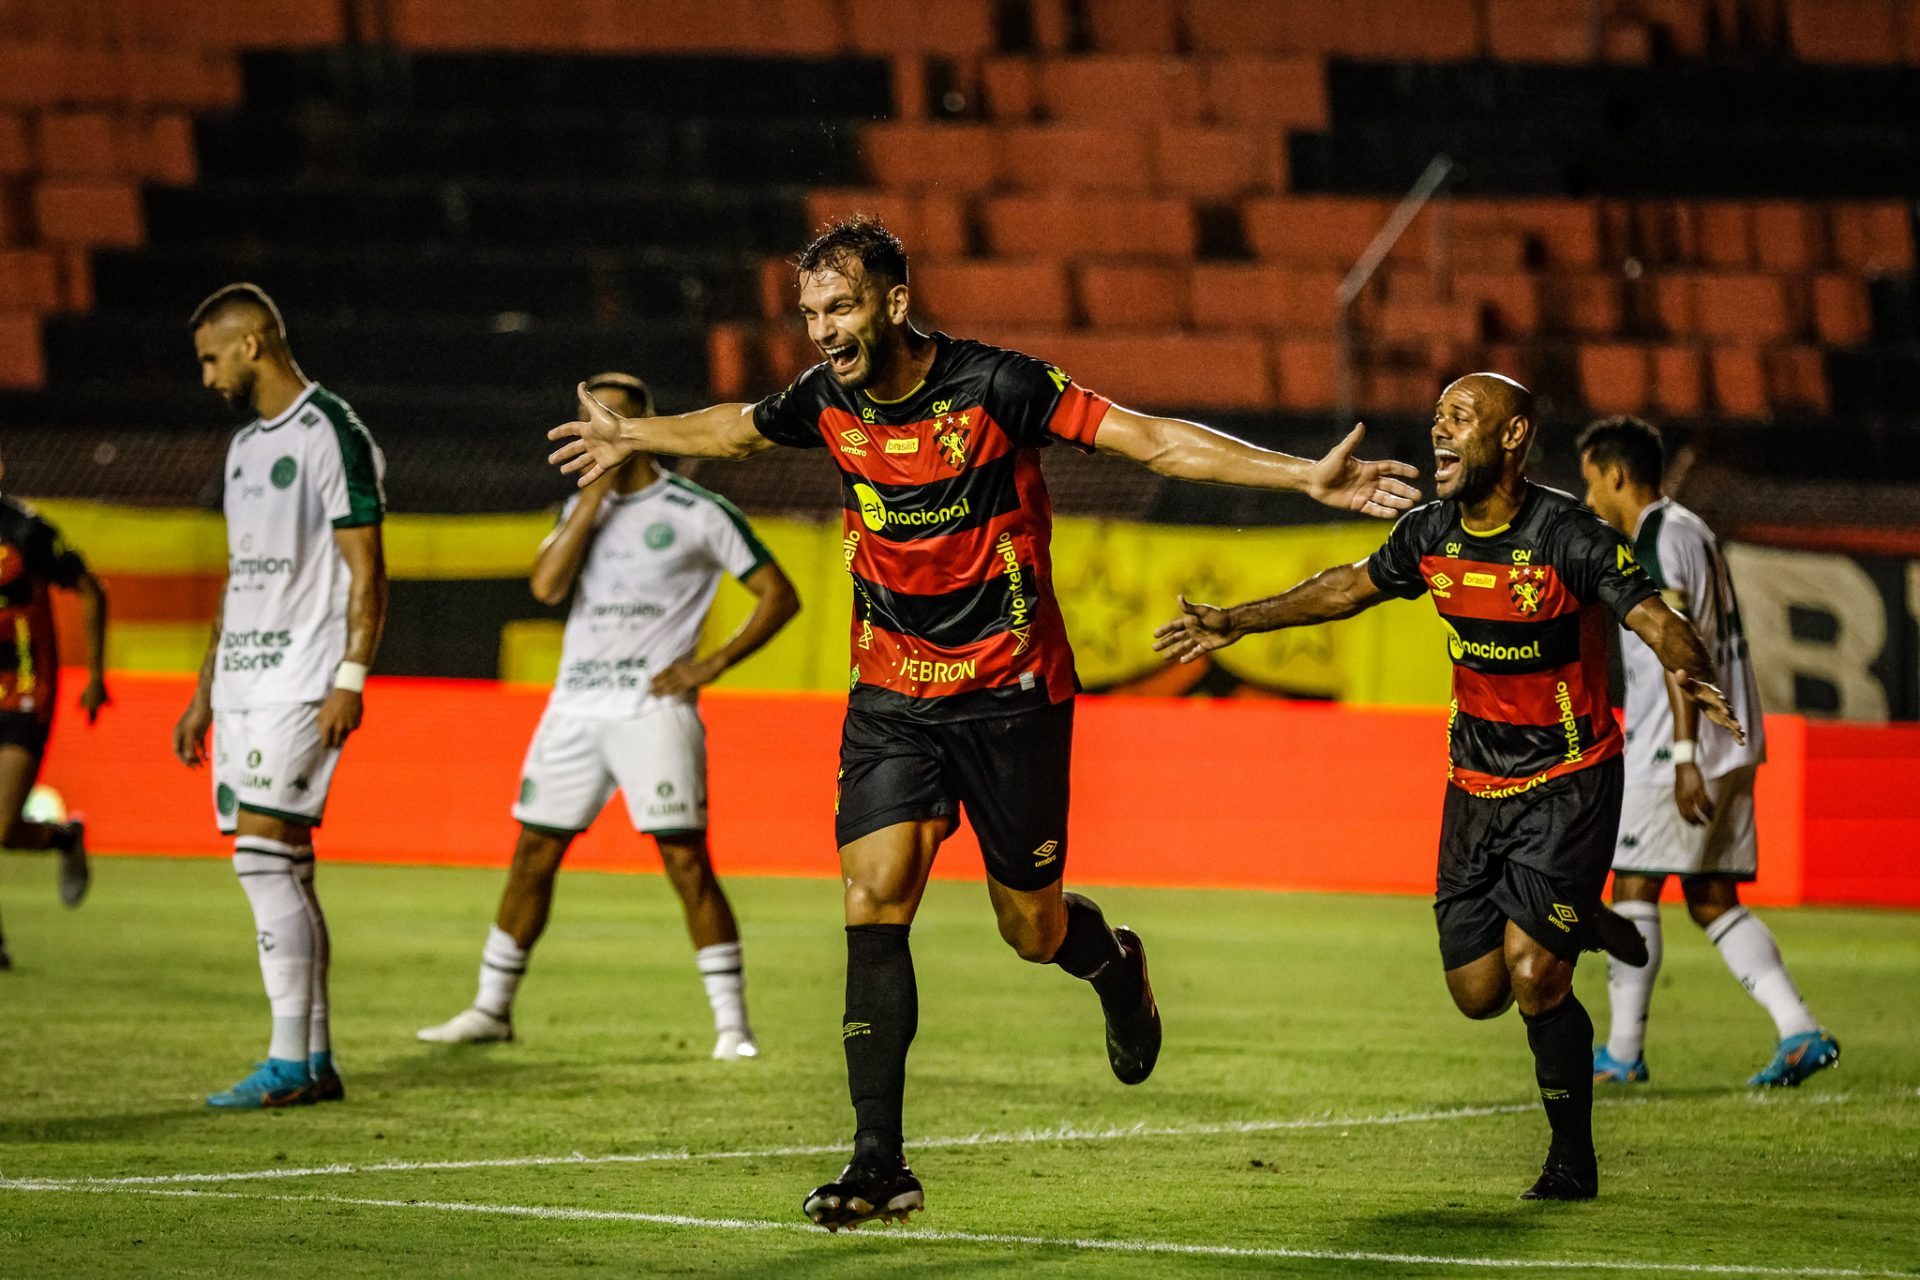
(851, 1029)
(1564, 917)
(1046, 853)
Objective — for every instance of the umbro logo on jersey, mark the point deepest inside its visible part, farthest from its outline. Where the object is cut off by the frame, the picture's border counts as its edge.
(1441, 584)
(852, 440)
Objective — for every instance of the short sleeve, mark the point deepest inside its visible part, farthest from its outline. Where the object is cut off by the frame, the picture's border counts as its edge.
(735, 546)
(49, 557)
(1395, 567)
(1035, 403)
(1597, 564)
(792, 417)
(347, 470)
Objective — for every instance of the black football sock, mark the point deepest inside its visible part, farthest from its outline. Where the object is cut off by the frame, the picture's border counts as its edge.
(883, 1012)
(1091, 951)
(1562, 1043)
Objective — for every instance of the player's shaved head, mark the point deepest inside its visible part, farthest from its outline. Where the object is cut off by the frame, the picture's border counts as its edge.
(244, 307)
(1482, 430)
(239, 337)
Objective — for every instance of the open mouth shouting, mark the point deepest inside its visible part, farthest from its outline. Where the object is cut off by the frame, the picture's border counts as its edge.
(842, 358)
(1446, 464)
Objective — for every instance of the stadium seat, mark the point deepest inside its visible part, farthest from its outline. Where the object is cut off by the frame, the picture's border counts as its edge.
(16, 155)
(1112, 90)
(1291, 92)
(1010, 88)
(1323, 230)
(955, 28)
(1785, 236)
(21, 364)
(1614, 376)
(1096, 225)
(1585, 303)
(930, 224)
(1121, 295)
(952, 157)
(29, 281)
(1540, 30)
(1739, 381)
(1509, 301)
(1679, 381)
(960, 293)
(1872, 238)
(87, 212)
(82, 144)
(1219, 163)
(1796, 378)
(1076, 157)
(1308, 371)
(1275, 298)
(1749, 308)
(1842, 314)
(1723, 234)
(1856, 31)
(1132, 26)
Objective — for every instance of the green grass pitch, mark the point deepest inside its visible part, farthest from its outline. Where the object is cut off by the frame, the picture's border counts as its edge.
(1319, 1103)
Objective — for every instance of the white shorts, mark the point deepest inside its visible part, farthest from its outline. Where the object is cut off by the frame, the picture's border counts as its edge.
(270, 760)
(658, 761)
(1655, 840)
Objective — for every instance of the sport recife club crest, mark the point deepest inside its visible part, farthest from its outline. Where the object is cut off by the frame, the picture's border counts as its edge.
(1524, 584)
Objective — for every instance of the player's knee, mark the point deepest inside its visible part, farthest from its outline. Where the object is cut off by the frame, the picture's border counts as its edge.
(1705, 913)
(1029, 940)
(535, 862)
(687, 865)
(1481, 1003)
(1540, 982)
(869, 902)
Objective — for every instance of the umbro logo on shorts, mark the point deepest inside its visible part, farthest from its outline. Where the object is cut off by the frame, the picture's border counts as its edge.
(852, 1029)
(1046, 853)
(1563, 917)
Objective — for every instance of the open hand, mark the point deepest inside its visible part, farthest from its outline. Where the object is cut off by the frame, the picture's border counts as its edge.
(1713, 705)
(594, 444)
(1200, 629)
(1371, 488)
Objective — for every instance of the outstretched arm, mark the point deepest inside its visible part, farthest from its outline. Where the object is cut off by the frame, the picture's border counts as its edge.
(601, 439)
(1188, 451)
(1678, 646)
(1328, 596)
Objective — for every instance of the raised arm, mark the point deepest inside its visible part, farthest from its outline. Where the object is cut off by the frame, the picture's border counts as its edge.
(1328, 596)
(366, 561)
(601, 439)
(1185, 450)
(1679, 648)
(775, 602)
(556, 566)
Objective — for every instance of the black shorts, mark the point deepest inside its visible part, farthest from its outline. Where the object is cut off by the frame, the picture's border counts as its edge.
(1539, 859)
(1010, 774)
(23, 729)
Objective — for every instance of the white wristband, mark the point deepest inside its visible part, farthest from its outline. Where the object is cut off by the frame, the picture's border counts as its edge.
(351, 676)
(1683, 751)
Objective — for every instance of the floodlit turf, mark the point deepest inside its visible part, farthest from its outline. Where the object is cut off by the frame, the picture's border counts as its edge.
(1320, 1010)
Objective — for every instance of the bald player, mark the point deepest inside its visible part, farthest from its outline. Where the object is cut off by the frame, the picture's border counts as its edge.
(300, 622)
(1526, 581)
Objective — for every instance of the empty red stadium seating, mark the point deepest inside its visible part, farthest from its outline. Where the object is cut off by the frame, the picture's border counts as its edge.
(1093, 225)
(80, 211)
(1679, 381)
(1308, 372)
(1739, 382)
(29, 281)
(1129, 295)
(20, 359)
(1076, 157)
(931, 224)
(1218, 162)
(1614, 376)
(961, 293)
(1244, 296)
(951, 157)
(1865, 31)
(1273, 91)
(1841, 312)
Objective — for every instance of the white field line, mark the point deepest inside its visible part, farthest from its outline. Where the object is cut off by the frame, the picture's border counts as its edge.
(913, 1235)
(1023, 1137)
(1060, 1133)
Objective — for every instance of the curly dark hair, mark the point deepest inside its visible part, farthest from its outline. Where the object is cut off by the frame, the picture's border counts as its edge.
(861, 238)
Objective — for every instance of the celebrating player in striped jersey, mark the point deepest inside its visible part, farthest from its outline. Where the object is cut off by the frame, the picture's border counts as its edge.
(33, 558)
(1524, 579)
(647, 550)
(962, 680)
(300, 622)
(1689, 799)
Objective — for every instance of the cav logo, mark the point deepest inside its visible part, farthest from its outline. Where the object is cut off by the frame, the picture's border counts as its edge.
(872, 510)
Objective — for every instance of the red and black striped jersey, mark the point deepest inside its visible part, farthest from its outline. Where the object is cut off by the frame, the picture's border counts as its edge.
(1526, 609)
(33, 558)
(948, 527)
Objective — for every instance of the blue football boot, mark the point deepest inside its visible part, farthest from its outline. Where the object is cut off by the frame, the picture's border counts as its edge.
(1797, 1058)
(274, 1083)
(1608, 1069)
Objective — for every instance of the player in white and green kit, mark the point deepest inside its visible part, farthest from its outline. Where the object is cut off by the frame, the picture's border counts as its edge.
(300, 622)
(643, 551)
(1689, 801)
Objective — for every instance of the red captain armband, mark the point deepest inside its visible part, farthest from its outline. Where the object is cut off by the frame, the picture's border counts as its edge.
(1076, 419)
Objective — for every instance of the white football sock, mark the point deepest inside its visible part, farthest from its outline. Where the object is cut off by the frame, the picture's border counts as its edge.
(284, 932)
(725, 979)
(1630, 990)
(503, 962)
(1748, 947)
(319, 1019)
